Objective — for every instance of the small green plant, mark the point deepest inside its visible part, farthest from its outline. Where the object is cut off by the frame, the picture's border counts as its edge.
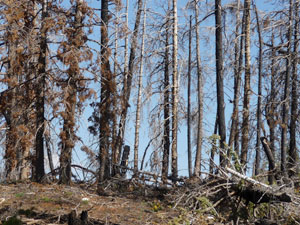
(68, 194)
(20, 195)
(47, 199)
(156, 206)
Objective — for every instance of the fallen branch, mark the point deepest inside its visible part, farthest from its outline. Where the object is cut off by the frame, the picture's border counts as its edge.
(257, 192)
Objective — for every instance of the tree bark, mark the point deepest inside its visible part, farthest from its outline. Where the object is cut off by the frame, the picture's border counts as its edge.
(238, 56)
(247, 88)
(175, 92)
(40, 99)
(258, 112)
(139, 99)
(197, 171)
(189, 146)
(107, 87)
(68, 136)
(293, 156)
(219, 78)
(166, 84)
(128, 80)
(286, 96)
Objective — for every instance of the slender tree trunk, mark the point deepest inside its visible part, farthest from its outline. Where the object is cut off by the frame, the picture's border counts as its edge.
(166, 138)
(40, 99)
(285, 105)
(175, 92)
(200, 97)
(258, 112)
(189, 147)
(247, 88)
(68, 135)
(139, 99)
(238, 56)
(128, 79)
(106, 92)
(213, 148)
(293, 156)
(219, 78)
(271, 112)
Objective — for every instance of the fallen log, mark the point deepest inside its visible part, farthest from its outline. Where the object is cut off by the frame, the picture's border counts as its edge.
(257, 192)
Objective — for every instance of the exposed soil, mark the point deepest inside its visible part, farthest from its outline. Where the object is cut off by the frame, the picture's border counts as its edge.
(34, 203)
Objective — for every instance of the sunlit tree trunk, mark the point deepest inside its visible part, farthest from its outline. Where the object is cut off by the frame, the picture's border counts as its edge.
(189, 146)
(197, 171)
(128, 73)
(175, 92)
(293, 158)
(166, 85)
(238, 58)
(139, 99)
(286, 96)
(258, 112)
(247, 88)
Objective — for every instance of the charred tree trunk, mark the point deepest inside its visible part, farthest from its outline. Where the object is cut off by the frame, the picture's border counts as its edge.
(286, 96)
(293, 158)
(106, 94)
(247, 88)
(166, 85)
(175, 92)
(68, 136)
(40, 100)
(219, 78)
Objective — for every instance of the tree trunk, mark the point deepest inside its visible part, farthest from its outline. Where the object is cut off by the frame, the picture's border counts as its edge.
(128, 80)
(219, 78)
(40, 100)
(189, 147)
(68, 136)
(166, 84)
(200, 97)
(258, 112)
(286, 100)
(293, 156)
(139, 99)
(106, 94)
(175, 92)
(238, 56)
(247, 88)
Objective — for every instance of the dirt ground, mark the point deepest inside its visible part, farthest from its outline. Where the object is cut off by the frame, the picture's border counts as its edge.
(34, 203)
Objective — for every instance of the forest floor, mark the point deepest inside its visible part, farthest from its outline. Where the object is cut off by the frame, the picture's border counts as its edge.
(33, 203)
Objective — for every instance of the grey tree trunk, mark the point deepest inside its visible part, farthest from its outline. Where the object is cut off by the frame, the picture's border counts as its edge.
(293, 157)
(139, 99)
(197, 171)
(247, 88)
(286, 96)
(238, 56)
(258, 112)
(219, 78)
(189, 146)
